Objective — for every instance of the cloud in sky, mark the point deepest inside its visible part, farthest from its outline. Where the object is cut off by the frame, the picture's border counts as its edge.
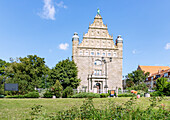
(61, 5)
(167, 47)
(49, 9)
(64, 46)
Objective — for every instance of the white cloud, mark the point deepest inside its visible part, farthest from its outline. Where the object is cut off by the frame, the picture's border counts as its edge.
(48, 10)
(134, 51)
(167, 47)
(61, 5)
(63, 46)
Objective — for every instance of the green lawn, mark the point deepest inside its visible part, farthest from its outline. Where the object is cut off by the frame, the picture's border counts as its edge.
(20, 108)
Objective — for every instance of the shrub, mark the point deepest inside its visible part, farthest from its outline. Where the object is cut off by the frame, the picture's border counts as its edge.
(57, 89)
(32, 95)
(1, 96)
(48, 94)
(86, 95)
(68, 92)
(126, 95)
(104, 95)
(42, 92)
(142, 87)
(156, 93)
(15, 96)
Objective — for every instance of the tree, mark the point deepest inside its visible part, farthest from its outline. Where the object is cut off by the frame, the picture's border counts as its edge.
(3, 65)
(161, 84)
(136, 77)
(27, 72)
(57, 89)
(66, 72)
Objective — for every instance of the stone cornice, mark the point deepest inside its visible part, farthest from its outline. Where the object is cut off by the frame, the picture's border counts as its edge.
(87, 37)
(83, 47)
(98, 56)
(95, 27)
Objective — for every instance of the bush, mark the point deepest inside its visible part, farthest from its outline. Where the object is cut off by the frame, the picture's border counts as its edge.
(48, 94)
(15, 96)
(142, 87)
(2, 96)
(104, 95)
(57, 89)
(42, 92)
(68, 92)
(32, 95)
(156, 93)
(126, 95)
(86, 95)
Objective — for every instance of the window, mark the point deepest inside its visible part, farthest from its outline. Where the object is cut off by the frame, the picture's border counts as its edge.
(98, 53)
(104, 54)
(114, 54)
(81, 53)
(97, 62)
(157, 76)
(86, 53)
(97, 72)
(109, 54)
(165, 74)
(92, 53)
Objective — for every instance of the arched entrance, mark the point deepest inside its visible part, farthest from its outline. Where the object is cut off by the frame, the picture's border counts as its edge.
(98, 85)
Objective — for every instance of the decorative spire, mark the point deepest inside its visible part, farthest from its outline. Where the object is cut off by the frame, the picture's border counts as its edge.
(98, 11)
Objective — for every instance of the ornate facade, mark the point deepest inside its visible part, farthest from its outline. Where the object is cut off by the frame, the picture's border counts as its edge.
(98, 58)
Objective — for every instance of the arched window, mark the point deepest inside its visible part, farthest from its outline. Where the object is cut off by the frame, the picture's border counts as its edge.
(97, 62)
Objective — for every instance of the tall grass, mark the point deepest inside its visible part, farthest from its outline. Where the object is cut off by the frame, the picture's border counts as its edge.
(110, 110)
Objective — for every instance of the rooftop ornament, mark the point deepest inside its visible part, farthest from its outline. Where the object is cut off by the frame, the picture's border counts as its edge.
(98, 11)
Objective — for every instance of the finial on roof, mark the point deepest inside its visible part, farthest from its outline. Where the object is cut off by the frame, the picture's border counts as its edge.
(98, 11)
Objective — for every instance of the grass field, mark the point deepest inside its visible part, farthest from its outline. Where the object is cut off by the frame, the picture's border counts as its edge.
(21, 108)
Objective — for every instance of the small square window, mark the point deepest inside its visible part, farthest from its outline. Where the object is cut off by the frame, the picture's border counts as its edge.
(98, 53)
(81, 53)
(92, 53)
(86, 53)
(109, 54)
(104, 54)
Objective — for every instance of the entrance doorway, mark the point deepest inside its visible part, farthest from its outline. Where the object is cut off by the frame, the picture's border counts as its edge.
(98, 85)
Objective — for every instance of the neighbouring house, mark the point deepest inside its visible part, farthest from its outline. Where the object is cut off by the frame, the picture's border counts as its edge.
(155, 73)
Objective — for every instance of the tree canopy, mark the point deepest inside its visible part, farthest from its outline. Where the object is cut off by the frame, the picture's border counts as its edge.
(27, 72)
(66, 72)
(31, 72)
(136, 77)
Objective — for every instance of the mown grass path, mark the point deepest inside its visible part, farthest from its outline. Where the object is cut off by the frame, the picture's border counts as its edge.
(21, 108)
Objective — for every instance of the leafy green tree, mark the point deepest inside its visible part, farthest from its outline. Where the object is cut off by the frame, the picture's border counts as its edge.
(27, 72)
(161, 85)
(167, 89)
(57, 89)
(3, 64)
(66, 72)
(2, 67)
(136, 77)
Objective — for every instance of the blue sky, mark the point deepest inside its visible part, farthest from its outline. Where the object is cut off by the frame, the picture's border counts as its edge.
(46, 27)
